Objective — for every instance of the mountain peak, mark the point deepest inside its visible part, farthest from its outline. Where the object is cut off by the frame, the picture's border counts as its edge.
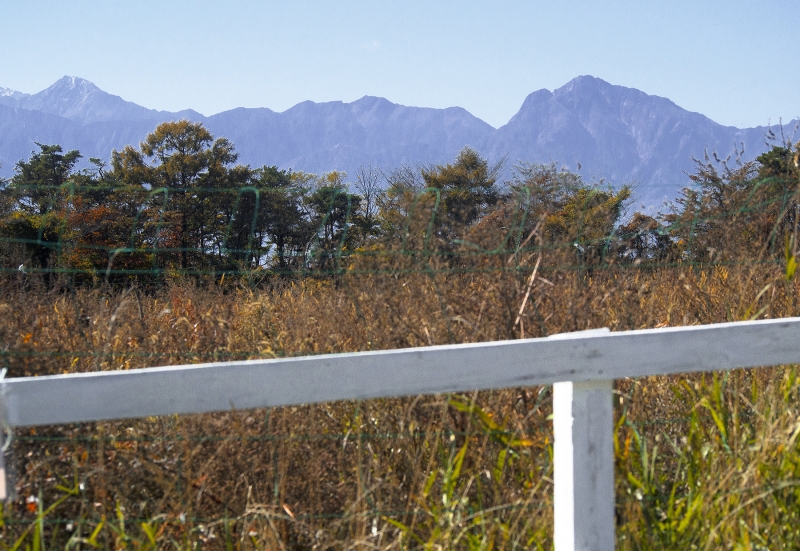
(370, 106)
(72, 83)
(587, 86)
(371, 101)
(583, 88)
(585, 81)
(67, 91)
(81, 100)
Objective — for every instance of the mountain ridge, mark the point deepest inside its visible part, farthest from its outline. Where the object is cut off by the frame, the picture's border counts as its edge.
(603, 131)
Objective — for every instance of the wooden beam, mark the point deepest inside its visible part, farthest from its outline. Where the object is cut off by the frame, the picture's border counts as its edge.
(437, 369)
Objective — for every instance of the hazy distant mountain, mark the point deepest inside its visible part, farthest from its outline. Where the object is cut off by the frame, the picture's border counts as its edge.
(604, 131)
(81, 101)
(620, 134)
(318, 137)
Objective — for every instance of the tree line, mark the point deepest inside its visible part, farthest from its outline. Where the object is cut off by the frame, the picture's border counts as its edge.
(180, 203)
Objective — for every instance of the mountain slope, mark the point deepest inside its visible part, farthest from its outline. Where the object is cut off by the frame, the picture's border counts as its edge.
(20, 129)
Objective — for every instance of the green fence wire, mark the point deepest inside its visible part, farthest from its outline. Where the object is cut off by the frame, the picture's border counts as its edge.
(97, 275)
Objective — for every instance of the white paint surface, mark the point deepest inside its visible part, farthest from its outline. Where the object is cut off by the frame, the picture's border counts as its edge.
(573, 357)
(583, 454)
(564, 509)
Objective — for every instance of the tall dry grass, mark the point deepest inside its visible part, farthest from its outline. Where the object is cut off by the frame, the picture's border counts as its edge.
(707, 461)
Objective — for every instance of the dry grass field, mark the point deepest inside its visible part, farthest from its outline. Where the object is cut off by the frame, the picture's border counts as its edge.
(709, 461)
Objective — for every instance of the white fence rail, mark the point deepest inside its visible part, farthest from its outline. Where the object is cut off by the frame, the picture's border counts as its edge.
(583, 365)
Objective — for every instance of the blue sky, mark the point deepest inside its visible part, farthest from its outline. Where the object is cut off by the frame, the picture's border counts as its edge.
(734, 61)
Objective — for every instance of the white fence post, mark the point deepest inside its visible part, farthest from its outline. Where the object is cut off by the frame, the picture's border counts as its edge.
(583, 426)
(3, 425)
(3, 491)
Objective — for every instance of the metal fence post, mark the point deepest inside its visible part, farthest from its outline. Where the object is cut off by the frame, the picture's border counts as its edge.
(583, 423)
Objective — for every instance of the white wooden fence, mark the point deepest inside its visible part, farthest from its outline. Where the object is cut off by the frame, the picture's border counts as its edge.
(582, 366)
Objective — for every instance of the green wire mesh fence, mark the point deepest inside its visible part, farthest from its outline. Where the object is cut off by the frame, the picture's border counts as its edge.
(147, 264)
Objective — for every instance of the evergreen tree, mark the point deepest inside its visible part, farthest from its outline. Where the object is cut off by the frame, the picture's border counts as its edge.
(188, 172)
(41, 196)
(466, 191)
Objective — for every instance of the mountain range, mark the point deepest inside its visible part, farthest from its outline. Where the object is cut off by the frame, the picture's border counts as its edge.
(603, 131)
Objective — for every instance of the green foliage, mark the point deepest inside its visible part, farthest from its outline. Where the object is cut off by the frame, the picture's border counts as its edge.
(36, 179)
(180, 204)
(182, 161)
(465, 190)
(759, 199)
(34, 223)
(779, 162)
(567, 208)
(454, 498)
(281, 215)
(332, 210)
(729, 479)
